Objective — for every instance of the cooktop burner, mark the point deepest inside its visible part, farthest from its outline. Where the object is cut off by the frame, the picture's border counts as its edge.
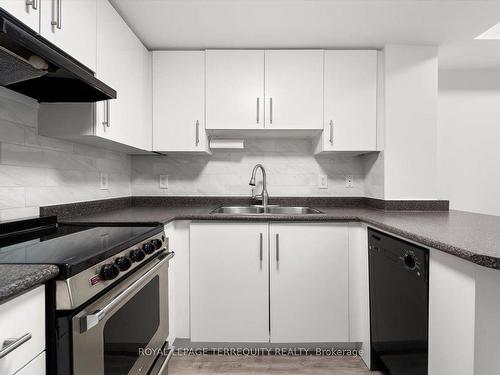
(72, 248)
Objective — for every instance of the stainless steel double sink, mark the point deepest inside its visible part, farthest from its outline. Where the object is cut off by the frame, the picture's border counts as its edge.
(268, 210)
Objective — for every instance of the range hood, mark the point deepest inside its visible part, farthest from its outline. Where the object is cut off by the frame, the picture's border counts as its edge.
(31, 65)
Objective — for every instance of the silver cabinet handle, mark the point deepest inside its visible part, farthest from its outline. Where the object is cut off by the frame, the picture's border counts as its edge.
(91, 320)
(331, 132)
(270, 110)
(57, 22)
(258, 103)
(33, 3)
(197, 132)
(261, 242)
(108, 113)
(106, 122)
(10, 345)
(277, 247)
(105, 119)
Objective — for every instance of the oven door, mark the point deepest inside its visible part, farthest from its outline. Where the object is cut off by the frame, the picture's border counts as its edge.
(123, 331)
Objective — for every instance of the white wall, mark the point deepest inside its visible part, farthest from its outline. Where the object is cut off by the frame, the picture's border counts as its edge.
(469, 140)
(410, 111)
(374, 179)
(37, 171)
(292, 170)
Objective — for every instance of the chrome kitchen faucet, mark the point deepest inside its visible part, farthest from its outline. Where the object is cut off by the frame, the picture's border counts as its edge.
(263, 194)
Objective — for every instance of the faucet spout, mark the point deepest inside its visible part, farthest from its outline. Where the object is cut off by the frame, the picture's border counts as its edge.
(264, 194)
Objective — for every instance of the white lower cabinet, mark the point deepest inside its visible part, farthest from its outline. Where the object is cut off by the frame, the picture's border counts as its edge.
(359, 296)
(261, 282)
(309, 278)
(23, 319)
(35, 367)
(229, 282)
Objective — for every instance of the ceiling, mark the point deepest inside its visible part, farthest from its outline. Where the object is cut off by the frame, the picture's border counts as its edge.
(200, 24)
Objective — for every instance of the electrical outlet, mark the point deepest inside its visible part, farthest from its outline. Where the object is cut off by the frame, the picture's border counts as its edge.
(349, 181)
(164, 181)
(104, 181)
(322, 181)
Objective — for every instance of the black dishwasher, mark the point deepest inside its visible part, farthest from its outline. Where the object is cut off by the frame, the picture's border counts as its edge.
(399, 305)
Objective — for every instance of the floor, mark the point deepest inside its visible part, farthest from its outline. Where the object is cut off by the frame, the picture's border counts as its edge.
(253, 365)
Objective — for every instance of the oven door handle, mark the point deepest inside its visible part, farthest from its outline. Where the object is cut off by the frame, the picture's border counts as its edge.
(91, 320)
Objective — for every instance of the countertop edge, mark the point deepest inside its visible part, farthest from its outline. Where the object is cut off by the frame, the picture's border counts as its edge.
(26, 276)
(465, 254)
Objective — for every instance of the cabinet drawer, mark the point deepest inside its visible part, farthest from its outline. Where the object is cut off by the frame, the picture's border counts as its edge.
(23, 315)
(35, 367)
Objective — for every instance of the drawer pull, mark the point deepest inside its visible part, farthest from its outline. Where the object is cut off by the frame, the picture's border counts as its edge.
(10, 345)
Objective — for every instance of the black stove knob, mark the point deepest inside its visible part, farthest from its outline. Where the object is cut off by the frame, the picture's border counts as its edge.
(148, 248)
(409, 261)
(109, 271)
(157, 243)
(137, 255)
(123, 263)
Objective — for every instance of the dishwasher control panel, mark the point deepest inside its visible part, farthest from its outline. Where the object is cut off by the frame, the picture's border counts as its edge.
(413, 258)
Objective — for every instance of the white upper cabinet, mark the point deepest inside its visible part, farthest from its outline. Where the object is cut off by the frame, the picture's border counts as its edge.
(350, 120)
(71, 25)
(255, 89)
(308, 284)
(235, 89)
(124, 64)
(294, 89)
(179, 101)
(26, 11)
(125, 123)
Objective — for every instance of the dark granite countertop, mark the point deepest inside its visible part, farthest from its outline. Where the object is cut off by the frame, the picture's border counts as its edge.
(16, 278)
(473, 237)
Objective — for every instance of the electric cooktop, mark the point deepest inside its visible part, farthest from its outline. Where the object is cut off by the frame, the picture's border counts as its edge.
(72, 248)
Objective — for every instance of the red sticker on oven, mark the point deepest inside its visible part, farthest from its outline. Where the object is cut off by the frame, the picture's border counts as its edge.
(94, 280)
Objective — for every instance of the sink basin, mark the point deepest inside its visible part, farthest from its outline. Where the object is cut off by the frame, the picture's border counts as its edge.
(239, 210)
(292, 210)
(269, 210)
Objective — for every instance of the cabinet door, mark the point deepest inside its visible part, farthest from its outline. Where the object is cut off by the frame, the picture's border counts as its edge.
(350, 101)
(294, 89)
(26, 11)
(23, 318)
(71, 25)
(179, 101)
(309, 282)
(235, 89)
(229, 282)
(124, 64)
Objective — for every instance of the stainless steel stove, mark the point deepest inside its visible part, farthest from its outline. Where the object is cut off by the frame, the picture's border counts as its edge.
(108, 308)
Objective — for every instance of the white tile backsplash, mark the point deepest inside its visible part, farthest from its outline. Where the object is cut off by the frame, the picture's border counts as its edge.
(37, 170)
(292, 170)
